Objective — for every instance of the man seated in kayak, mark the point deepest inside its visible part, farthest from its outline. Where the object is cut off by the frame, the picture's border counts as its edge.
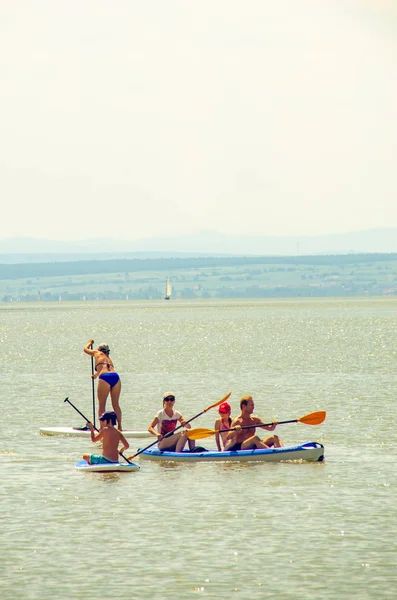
(165, 421)
(245, 439)
(111, 438)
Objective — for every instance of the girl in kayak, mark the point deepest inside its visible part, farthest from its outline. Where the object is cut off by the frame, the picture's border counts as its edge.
(223, 422)
(165, 421)
(108, 379)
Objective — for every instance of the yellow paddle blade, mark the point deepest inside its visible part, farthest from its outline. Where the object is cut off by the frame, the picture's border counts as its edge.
(200, 433)
(314, 418)
(219, 402)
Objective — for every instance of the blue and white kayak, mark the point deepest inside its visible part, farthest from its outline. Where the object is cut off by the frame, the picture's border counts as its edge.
(116, 467)
(311, 451)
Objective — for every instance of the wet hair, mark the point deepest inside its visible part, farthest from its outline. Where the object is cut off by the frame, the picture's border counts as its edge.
(244, 401)
(104, 348)
(110, 415)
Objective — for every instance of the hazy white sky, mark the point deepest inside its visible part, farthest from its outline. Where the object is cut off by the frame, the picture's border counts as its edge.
(129, 119)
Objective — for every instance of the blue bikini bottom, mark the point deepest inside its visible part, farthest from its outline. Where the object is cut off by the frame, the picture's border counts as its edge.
(111, 378)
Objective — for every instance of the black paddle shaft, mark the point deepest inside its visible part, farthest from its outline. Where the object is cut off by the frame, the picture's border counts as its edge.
(80, 413)
(258, 425)
(93, 389)
(88, 421)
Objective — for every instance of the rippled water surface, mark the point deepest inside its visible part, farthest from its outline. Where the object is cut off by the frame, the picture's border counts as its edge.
(289, 531)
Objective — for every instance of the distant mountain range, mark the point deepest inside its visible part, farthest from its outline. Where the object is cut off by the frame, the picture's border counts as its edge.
(208, 243)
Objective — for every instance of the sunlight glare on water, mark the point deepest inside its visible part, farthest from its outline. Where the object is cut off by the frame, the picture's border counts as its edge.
(290, 531)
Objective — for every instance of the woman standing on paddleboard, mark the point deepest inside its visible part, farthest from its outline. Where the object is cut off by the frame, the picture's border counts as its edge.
(108, 379)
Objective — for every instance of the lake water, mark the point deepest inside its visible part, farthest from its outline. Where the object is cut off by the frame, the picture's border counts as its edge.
(246, 531)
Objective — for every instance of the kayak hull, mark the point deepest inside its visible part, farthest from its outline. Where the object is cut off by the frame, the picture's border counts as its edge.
(83, 465)
(309, 451)
(72, 432)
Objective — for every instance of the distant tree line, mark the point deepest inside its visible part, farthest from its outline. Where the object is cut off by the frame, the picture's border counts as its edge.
(92, 267)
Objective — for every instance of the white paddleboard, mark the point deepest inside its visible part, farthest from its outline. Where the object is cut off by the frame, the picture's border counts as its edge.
(83, 465)
(85, 433)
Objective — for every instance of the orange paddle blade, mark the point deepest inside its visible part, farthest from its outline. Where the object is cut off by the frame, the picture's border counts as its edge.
(200, 433)
(219, 402)
(314, 418)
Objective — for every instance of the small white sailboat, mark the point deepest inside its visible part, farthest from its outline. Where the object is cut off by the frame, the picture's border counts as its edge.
(168, 290)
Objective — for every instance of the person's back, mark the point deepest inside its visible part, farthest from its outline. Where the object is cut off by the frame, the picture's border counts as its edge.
(103, 363)
(110, 437)
(108, 379)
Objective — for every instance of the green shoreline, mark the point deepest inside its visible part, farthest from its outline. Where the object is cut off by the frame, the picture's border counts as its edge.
(201, 277)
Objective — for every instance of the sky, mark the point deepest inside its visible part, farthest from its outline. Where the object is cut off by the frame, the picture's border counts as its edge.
(127, 119)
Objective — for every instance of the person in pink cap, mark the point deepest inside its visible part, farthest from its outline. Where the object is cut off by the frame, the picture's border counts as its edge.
(223, 422)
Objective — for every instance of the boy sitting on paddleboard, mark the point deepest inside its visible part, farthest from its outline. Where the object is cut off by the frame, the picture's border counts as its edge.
(110, 436)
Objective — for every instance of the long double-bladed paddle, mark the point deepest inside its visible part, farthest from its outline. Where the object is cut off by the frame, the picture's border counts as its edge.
(84, 417)
(180, 426)
(93, 390)
(314, 418)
